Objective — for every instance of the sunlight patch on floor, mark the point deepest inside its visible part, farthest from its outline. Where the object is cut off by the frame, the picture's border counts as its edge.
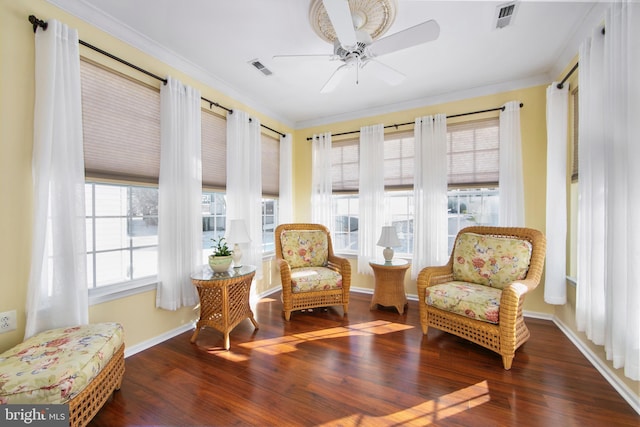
(228, 355)
(289, 343)
(425, 413)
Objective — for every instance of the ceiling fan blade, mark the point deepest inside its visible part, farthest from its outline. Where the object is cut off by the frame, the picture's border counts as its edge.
(384, 72)
(335, 78)
(412, 36)
(342, 22)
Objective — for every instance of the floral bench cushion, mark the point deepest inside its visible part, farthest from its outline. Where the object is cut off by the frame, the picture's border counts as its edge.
(305, 248)
(55, 365)
(467, 299)
(309, 279)
(490, 261)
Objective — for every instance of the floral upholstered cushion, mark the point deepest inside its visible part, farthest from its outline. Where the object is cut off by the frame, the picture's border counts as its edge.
(307, 279)
(54, 366)
(305, 248)
(468, 299)
(490, 261)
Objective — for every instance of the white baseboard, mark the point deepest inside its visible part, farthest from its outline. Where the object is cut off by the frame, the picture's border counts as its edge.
(130, 351)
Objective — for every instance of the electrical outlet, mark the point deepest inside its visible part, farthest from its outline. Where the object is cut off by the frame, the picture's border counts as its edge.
(7, 321)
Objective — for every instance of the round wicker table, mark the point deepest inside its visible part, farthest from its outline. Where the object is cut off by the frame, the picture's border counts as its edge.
(224, 299)
(389, 285)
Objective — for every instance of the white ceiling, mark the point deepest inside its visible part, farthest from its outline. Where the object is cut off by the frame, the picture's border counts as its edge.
(213, 40)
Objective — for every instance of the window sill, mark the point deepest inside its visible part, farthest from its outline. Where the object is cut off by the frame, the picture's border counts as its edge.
(121, 290)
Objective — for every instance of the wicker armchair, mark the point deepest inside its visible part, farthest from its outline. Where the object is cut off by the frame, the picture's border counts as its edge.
(312, 276)
(479, 294)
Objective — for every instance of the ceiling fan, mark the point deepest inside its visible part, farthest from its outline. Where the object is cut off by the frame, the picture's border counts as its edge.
(352, 26)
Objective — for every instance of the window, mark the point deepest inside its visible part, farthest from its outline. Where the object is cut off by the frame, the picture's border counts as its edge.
(269, 222)
(122, 234)
(473, 160)
(467, 207)
(345, 214)
(572, 226)
(214, 217)
(214, 177)
(121, 131)
(473, 152)
(270, 190)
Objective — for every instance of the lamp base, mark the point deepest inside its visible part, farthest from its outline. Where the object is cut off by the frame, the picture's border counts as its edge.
(388, 254)
(236, 256)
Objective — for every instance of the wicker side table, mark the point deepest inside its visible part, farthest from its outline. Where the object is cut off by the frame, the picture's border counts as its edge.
(224, 299)
(389, 284)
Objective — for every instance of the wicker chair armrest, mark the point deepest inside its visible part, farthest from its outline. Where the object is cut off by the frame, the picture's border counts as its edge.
(343, 266)
(511, 303)
(285, 275)
(340, 262)
(430, 276)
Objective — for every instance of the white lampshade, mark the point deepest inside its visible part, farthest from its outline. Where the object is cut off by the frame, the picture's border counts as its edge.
(237, 234)
(388, 239)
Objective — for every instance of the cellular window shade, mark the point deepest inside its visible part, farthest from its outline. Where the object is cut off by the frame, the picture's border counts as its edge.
(576, 114)
(345, 157)
(473, 153)
(214, 150)
(399, 153)
(121, 126)
(270, 165)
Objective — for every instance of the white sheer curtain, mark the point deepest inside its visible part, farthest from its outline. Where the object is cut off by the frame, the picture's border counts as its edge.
(430, 193)
(57, 292)
(511, 213)
(370, 194)
(285, 199)
(555, 286)
(321, 179)
(244, 181)
(607, 293)
(179, 195)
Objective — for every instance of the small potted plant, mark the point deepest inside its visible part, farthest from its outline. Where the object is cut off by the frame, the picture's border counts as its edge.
(220, 260)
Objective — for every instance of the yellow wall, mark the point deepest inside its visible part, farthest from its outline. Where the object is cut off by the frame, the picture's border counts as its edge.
(141, 320)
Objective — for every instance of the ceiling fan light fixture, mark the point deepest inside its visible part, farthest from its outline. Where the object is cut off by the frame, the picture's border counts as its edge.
(374, 17)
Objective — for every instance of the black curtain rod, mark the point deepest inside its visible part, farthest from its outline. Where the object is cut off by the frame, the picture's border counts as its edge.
(561, 84)
(412, 123)
(43, 24)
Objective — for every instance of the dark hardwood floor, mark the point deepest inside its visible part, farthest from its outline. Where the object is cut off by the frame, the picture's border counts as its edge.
(369, 368)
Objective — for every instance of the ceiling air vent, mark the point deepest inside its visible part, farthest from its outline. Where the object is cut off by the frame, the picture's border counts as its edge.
(505, 13)
(260, 67)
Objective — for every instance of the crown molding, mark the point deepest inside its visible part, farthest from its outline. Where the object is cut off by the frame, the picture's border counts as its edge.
(437, 99)
(130, 36)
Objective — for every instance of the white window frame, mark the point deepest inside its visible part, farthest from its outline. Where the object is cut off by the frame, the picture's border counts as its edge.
(107, 292)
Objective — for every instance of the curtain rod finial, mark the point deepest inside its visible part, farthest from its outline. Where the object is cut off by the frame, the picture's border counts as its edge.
(37, 23)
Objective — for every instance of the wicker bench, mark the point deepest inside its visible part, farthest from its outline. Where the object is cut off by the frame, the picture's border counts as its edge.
(80, 366)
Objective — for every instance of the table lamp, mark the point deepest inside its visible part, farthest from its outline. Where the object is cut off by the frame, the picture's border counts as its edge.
(388, 239)
(237, 234)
